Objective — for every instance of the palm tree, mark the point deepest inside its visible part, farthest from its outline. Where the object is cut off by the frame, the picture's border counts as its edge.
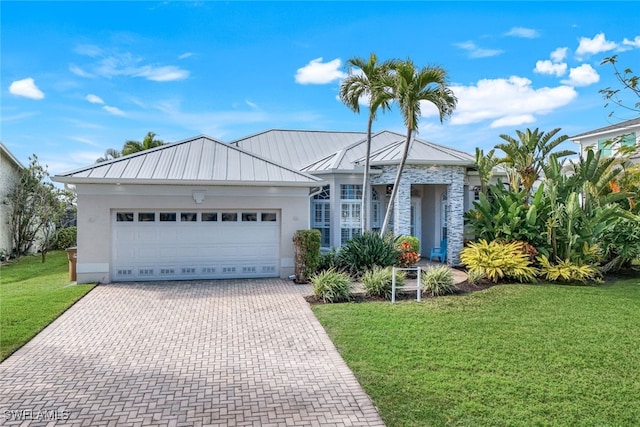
(485, 165)
(109, 154)
(371, 83)
(413, 86)
(527, 155)
(148, 142)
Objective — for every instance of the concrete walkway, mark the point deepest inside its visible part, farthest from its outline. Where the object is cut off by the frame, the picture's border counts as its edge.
(184, 354)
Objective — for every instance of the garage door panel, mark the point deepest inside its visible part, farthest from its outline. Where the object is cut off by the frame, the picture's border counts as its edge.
(194, 249)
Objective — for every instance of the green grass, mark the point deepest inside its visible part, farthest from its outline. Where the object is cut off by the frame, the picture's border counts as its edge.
(512, 355)
(32, 295)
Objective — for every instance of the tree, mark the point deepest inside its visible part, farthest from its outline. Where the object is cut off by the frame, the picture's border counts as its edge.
(147, 143)
(372, 84)
(109, 154)
(485, 165)
(35, 206)
(412, 86)
(629, 82)
(526, 156)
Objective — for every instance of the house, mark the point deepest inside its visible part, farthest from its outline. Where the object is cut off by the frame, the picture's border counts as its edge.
(10, 168)
(609, 139)
(201, 208)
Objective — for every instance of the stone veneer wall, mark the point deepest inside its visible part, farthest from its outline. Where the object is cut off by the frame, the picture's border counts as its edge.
(453, 176)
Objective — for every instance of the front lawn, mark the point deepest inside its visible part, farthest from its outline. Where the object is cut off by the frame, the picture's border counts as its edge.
(32, 295)
(512, 355)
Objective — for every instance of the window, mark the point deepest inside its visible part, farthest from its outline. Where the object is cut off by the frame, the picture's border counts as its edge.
(350, 204)
(168, 216)
(268, 217)
(321, 215)
(249, 216)
(628, 140)
(146, 216)
(124, 216)
(604, 146)
(229, 216)
(188, 216)
(209, 216)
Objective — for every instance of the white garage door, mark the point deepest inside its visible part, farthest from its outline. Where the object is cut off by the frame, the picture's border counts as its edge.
(185, 245)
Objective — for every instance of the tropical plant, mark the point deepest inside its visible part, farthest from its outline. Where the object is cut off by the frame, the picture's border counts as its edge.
(566, 271)
(413, 241)
(331, 286)
(527, 155)
(475, 276)
(485, 165)
(438, 280)
(621, 244)
(147, 143)
(629, 83)
(408, 250)
(306, 244)
(109, 154)
(328, 260)
(369, 83)
(365, 251)
(378, 281)
(412, 87)
(498, 260)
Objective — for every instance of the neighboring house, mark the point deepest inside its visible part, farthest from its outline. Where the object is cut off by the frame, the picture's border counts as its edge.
(608, 139)
(201, 208)
(9, 174)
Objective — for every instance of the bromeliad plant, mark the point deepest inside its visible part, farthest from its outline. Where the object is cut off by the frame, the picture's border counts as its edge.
(408, 248)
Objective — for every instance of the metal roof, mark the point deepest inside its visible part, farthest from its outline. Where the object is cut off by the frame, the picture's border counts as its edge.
(198, 161)
(297, 148)
(386, 148)
(618, 126)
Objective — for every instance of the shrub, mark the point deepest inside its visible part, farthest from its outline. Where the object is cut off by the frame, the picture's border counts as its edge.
(377, 281)
(67, 238)
(498, 260)
(307, 253)
(567, 272)
(331, 286)
(621, 244)
(408, 254)
(364, 252)
(327, 260)
(438, 280)
(475, 276)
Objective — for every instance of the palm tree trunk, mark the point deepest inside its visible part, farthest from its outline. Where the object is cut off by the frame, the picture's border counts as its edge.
(364, 209)
(396, 184)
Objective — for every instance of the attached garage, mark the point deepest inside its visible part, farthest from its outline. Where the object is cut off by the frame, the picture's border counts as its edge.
(208, 244)
(195, 209)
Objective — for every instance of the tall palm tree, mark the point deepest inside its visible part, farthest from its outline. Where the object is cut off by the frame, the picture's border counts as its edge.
(372, 84)
(527, 155)
(148, 142)
(413, 86)
(109, 154)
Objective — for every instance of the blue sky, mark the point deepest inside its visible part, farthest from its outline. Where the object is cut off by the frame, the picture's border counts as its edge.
(80, 77)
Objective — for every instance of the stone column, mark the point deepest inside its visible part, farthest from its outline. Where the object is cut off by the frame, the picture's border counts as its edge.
(402, 208)
(455, 219)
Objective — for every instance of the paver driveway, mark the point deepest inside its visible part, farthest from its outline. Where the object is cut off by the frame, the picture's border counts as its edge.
(184, 353)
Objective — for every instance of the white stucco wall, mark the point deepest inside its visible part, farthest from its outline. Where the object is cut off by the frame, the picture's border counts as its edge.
(8, 178)
(97, 201)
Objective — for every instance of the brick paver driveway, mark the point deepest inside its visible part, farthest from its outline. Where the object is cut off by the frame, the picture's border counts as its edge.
(184, 353)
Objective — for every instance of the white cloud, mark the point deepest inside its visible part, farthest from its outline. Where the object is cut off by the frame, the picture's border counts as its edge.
(90, 50)
(185, 55)
(251, 104)
(94, 99)
(633, 43)
(85, 141)
(595, 45)
(506, 102)
(476, 51)
(113, 110)
(584, 75)
(548, 67)
(526, 33)
(161, 74)
(79, 71)
(317, 72)
(559, 54)
(27, 88)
